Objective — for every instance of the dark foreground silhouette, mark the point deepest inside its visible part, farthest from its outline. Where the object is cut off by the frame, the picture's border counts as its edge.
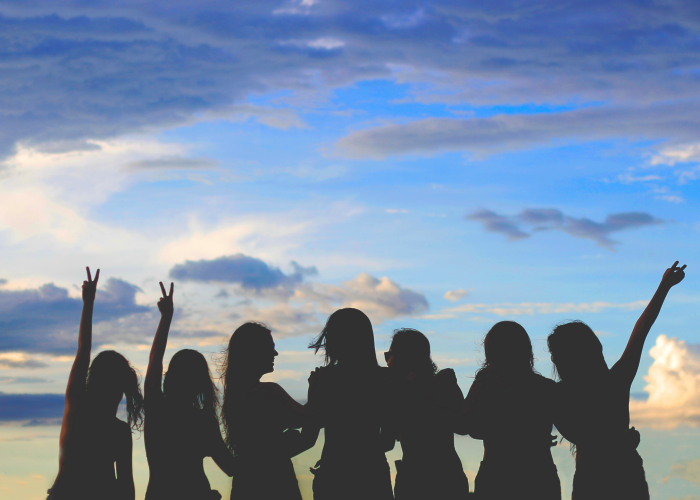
(509, 407)
(92, 438)
(351, 398)
(182, 426)
(364, 409)
(425, 407)
(592, 403)
(260, 419)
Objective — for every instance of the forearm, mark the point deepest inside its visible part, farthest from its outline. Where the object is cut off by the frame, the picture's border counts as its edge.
(85, 331)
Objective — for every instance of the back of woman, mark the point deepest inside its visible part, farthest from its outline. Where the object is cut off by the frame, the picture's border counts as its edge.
(424, 407)
(350, 396)
(509, 408)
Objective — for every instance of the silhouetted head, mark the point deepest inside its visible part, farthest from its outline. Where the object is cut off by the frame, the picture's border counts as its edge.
(110, 378)
(250, 355)
(410, 352)
(347, 338)
(507, 349)
(251, 352)
(576, 351)
(188, 381)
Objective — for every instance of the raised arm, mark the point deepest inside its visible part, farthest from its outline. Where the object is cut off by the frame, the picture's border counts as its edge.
(154, 374)
(628, 364)
(78, 373)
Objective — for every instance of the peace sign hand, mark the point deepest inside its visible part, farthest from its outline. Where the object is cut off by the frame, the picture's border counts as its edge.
(673, 275)
(90, 286)
(165, 304)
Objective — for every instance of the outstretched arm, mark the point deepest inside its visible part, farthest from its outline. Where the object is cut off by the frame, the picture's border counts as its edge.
(628, 364)
(154, 374)
(78, 373)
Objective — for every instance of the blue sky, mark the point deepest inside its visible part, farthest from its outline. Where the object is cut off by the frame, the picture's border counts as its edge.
(441, 165)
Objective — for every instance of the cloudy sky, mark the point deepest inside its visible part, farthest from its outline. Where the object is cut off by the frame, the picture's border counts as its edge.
(440, 165)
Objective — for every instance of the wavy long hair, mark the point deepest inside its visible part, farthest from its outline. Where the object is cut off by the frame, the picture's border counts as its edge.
(507, 347)
(575, 349)
(238, 366)
(411, 349)
(110, 375)
(188, 380)
(347, 338)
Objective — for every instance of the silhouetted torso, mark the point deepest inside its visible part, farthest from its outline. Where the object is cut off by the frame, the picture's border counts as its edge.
(513, 415)
(353, 406)
(430, 466)
(257, 427)
(594, 415)
(89, 450)
(177, 441)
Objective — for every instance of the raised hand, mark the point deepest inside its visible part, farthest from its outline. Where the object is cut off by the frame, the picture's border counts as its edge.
(90, 286)
(673, 275)
(165, 304)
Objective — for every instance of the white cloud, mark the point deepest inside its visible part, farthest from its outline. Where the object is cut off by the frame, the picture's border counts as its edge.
(456, 295)
(379, 298)
(673, 384)
(684, 153)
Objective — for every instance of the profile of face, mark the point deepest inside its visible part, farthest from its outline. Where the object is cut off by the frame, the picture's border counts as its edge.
(266, 354)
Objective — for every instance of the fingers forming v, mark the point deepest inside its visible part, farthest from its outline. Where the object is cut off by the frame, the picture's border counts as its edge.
(172, 289)
(162, 289)
(97, 276)
(89, 275)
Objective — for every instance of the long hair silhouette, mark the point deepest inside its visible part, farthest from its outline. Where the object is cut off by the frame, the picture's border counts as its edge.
(410, 350)
(507, 348)
(182, 426)
(424, 406)
(348, 337)
(509, 407)
(261, 420)
(351, 396)
(93, 440)
(188, 382)
(592, 403)
(111, 378)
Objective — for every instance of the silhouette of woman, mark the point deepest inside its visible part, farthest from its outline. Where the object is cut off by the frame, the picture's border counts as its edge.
(260, 419)
(93, 439)
(509, 407)
(181, 426)
(350, 394)
(592, 403)
(425, 404)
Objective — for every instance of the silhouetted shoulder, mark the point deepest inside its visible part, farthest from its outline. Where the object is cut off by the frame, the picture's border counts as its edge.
(446, 376)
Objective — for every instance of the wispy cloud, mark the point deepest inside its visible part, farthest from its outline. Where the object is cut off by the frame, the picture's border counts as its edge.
(547, 219)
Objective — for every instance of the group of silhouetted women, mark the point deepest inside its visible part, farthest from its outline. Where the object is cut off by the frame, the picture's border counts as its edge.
(364, 409)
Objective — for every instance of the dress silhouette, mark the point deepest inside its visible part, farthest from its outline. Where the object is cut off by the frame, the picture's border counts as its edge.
(93, 440)
(261, 420)
(592, 404)
(350, 395)
(181, 426)
(425, 407)
(509, 407)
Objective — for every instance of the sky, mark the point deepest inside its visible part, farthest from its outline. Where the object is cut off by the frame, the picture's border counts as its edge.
(440, 165)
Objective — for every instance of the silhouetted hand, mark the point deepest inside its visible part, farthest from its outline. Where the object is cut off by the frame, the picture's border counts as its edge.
(165, 304)
(673, 275)
(633, 438)
(90, 286)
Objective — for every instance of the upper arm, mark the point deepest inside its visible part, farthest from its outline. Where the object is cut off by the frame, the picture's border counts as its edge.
(125, 473)
(294, 413)
(219, 452)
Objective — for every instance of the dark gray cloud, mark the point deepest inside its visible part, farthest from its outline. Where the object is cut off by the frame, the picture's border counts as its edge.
(73, 69)
(46, 319)
(29, 364)
(14, 407)
(515, 227)
(250, 273)
(674, 122)
(172, 162)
